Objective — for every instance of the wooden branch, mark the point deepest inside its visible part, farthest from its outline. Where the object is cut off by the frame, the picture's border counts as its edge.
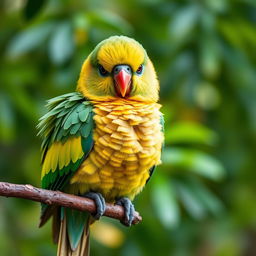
(62, 199)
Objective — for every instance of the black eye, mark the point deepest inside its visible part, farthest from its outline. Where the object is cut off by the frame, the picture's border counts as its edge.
(102, 71)
(139, 70)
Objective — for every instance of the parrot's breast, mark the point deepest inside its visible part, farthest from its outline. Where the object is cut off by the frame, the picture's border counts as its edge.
(127, 143)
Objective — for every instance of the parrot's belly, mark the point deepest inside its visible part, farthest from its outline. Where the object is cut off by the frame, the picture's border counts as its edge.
(128, 141)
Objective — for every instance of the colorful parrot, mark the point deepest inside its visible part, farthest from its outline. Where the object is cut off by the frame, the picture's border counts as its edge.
(102, 141)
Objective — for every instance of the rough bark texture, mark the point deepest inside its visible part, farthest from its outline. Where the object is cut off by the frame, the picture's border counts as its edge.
(62, 199)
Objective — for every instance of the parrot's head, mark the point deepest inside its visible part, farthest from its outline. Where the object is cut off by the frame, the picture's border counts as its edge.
(118, 67)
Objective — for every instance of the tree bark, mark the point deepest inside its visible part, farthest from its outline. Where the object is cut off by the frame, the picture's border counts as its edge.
(51, 197)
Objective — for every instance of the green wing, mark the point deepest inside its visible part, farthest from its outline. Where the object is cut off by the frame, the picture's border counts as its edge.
(67, 140)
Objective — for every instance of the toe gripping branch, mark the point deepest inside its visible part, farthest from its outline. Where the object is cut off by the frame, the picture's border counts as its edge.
(99, 202)
(129, 210)
(128, 207)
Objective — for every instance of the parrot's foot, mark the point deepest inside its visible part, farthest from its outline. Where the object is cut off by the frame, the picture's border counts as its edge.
(128, 210)
(100, 203)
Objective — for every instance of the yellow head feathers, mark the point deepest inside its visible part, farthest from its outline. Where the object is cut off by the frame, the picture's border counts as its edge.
(121, 50)
(117, 68)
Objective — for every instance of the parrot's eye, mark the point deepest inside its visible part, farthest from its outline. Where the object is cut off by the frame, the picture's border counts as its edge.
(102, 71)
(139, 71)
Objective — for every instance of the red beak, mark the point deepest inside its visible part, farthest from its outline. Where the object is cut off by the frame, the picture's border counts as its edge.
(123, 82)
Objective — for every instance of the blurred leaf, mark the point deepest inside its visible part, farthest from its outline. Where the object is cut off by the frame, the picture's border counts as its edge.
(196, 198)
(176, 72)
(105, 19)
(190, 201)
(208, 23)
(33, 7)
(81, 25)
(195, 161)
(219, 6)
(29, 39)
(24, 103)
(61, 45)
(164, 200)
(207, 96)
(190, 132)
(80, 20)
(230, 33)
(248, 31)
(209, 57)
(183, 22)
(6, 119)
(207, 198)
(251, 2)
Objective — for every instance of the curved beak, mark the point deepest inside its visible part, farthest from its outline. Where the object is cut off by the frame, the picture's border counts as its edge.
(122, 77)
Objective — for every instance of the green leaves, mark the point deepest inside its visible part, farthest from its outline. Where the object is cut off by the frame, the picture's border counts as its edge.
(29, 39)
(182, 163)
(6, 119)
(61, 45)
(197, 199)
(210, 56)
(62, 35)
(190, 132)
(107, 19)
(165, 202)
(183, 22)
(193, 160)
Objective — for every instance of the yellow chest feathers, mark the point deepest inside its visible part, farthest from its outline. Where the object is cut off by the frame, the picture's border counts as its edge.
(128, 141)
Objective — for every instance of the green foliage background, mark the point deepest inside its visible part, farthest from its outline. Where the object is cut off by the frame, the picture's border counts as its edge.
(201, 201)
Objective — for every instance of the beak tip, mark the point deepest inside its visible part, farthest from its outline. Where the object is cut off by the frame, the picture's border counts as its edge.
(123, 94)
(123, 81)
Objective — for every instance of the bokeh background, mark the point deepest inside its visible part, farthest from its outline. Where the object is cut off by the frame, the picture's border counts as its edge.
(202, 199)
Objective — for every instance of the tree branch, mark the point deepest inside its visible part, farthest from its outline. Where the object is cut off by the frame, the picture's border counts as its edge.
(51, 197)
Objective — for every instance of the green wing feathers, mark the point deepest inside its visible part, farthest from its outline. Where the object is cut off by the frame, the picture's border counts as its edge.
(66, 130)
(67, 137)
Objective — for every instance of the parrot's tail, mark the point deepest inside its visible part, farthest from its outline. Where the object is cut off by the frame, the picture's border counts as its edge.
(73, 237)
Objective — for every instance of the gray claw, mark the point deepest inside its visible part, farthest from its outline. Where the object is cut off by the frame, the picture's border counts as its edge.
(100, 203)
(128, 210)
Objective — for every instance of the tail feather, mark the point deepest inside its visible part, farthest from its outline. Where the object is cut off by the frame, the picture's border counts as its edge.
(64, 248)
(63, 243)
(56, 221)
(46, 213)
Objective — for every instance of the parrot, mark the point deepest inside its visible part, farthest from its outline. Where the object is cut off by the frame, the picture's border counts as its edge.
(102, 141)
